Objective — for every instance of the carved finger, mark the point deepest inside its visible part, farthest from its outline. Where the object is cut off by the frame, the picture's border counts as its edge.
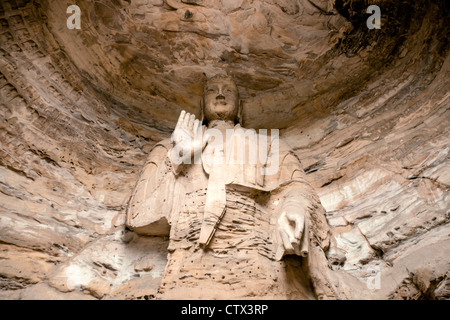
(190, 126)
(197, 132)
(289, 220)
(299, 226)
(285, 238)
(174, 136)
(304, 247)
(196, 126)
(186, 120)
(280, 252)
(180, 119)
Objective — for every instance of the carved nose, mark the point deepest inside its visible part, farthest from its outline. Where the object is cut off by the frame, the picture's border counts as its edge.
(220, 97)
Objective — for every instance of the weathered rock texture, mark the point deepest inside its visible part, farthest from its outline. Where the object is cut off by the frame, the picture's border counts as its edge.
(367, 112)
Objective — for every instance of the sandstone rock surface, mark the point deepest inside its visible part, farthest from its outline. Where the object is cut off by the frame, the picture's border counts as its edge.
(367, 112)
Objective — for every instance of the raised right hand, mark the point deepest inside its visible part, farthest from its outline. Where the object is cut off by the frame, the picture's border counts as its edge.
(186, 138)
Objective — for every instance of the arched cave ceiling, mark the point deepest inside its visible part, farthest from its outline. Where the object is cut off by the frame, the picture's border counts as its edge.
(291, 59)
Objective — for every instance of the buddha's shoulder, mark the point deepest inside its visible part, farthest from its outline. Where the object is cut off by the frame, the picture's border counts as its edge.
(160, 148)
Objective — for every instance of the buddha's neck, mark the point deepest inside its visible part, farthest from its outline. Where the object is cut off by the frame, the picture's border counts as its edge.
(221, 124)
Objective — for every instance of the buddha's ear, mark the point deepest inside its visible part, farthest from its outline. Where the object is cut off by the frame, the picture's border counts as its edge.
(239, 113)
(202, 100)
(202, 111)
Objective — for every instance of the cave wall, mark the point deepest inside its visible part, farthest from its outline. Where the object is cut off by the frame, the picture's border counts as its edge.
(366, 111)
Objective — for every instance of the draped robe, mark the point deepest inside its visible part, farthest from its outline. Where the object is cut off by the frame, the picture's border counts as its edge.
(242, 258)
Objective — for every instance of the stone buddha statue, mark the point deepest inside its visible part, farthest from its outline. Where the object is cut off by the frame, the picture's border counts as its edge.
(242, 220)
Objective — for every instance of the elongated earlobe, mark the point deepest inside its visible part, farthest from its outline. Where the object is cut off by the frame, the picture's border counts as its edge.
(202, 111)
(239, 113)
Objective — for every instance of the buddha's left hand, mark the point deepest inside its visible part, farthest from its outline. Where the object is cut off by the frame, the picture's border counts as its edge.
(293, 231)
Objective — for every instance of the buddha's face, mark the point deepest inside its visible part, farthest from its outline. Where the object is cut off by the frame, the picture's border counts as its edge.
(221, 100)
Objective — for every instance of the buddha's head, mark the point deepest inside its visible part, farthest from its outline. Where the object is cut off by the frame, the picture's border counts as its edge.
(221, 100)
